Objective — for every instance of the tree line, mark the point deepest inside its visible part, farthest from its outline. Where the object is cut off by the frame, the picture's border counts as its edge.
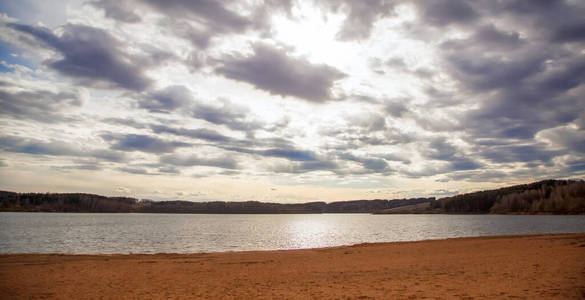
(79, 202)
(546, 197)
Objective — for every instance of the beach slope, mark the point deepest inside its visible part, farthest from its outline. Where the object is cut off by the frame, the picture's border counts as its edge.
(531, 267)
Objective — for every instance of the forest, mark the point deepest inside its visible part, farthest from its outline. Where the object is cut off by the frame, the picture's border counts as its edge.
(89, 203)
(543, 197)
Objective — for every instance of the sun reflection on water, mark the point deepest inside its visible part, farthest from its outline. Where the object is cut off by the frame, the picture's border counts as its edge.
(308, 232)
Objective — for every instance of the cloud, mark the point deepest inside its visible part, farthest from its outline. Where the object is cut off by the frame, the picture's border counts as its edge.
(396, 108)
(360, 16)
(89, 54)
(272, 70)
(56, 148)
(143, 143)
(477, 176)
(482, 71)
(87, 167)
(169, 170)
(518, 153)
(166, 100)
(290, 154)
(233, 116)
(570, 33)
(519, 76)
(370, 164)
(133, 170)
(567, 137)
(447, 12)
(124, 122)
(200, 21)
(440, 149)
(213, 14)
(489, 34)
(305, 167)
(117, 10)
(200, 133)
(224, 162)
(179, 98)
(41, 105)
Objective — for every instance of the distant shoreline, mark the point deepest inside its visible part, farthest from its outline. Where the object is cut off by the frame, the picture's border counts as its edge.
(530, 266)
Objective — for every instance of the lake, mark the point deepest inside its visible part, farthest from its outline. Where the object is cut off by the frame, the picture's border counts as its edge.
(80, 233)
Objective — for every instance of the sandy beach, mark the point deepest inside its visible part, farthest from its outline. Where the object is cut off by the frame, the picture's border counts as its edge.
(529, 267)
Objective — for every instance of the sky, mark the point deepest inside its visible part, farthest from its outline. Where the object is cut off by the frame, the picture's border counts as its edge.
(289, 101)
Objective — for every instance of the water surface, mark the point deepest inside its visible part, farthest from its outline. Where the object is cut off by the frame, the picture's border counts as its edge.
(188, 233)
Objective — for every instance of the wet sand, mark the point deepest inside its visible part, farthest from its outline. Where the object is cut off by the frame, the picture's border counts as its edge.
(529, 267)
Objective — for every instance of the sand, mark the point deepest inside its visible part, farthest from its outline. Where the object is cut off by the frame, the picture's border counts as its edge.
(528, 267)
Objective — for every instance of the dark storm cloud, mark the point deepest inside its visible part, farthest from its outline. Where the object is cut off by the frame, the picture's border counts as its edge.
(91, 55)
(56, 148)
(37, 105)
(143, 143)
(225, 162)
(272, 70)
